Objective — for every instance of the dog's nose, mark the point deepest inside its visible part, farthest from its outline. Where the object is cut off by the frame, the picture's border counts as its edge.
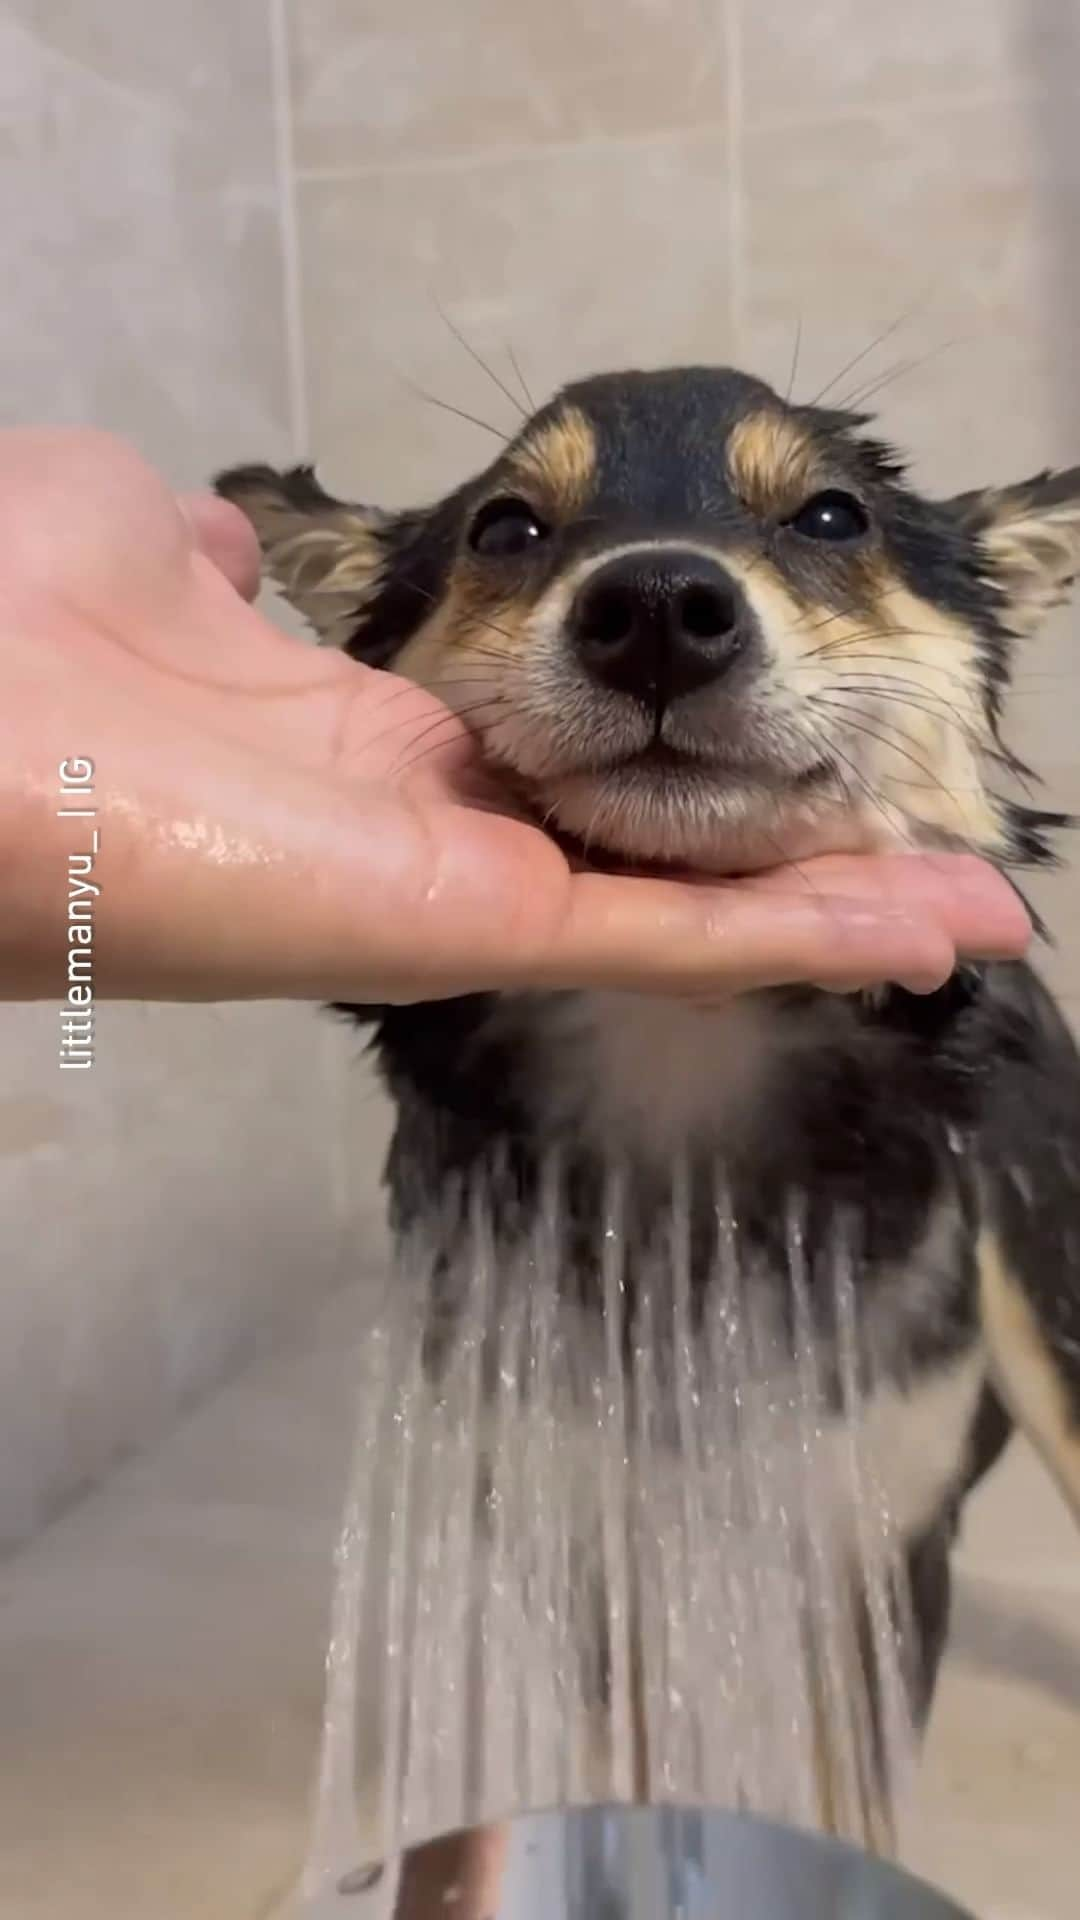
(658, 624)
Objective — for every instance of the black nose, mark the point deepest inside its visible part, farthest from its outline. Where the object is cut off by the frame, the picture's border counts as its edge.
(658, 624)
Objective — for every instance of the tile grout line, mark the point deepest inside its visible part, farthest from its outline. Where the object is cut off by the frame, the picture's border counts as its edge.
(768, 122)
(289, 227)
(334, 1060)
(509, 153)
(736, 203)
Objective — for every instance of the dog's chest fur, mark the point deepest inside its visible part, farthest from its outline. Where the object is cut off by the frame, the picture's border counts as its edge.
(652, 1079)
(649, 1082)
(778, 1095)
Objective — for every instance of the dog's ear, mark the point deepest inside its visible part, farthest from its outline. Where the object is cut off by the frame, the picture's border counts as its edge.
(364, 579)
(1029, 536)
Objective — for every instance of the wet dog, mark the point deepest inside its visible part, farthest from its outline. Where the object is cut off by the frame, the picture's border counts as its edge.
(697, 626)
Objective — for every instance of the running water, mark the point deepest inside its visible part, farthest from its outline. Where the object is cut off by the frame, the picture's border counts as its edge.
(625, 1548)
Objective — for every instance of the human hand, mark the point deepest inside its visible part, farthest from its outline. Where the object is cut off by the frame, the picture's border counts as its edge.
(276, 821)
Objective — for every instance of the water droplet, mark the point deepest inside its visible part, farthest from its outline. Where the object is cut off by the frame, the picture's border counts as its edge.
(361, 1879)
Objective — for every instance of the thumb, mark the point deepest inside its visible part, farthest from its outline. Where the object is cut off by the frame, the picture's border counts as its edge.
(227, 538)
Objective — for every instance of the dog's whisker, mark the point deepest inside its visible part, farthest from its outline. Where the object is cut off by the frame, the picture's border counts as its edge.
(520, 377)
(904, 703)
(460, 413)
(940, 714)
(856, 651)
(857, 723)
(886, 678)
(861, 657)
(892, 815)
(934, 706)
(794, 368)
(864, 354)
(477, 358)
(898, 371)
(425, 593)
(453, 720)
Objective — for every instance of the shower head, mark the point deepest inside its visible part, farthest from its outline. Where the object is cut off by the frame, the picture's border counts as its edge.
(637, 1863)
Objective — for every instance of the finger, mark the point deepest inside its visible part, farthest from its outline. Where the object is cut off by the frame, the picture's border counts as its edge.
(902, 920)
(85, 515)
(227, 537)
(656, 936)
(86, 520)
(981, 911)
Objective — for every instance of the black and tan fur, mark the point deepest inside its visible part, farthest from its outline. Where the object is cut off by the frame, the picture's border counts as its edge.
(859, 706)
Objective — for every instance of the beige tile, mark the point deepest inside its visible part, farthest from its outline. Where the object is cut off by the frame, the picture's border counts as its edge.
(993, 1810)
(424, 79)
(1070, 1007)
(161, 1658)
(804, 61)
(1039, 721)
(940, 225)
(1017, 1528)
(1014, 1870)
(580, 260)
(1041, 709)
(1021, 1633)
(367, 1118)
(1056, 897)
(184, 1210)
(138, 198)
(993, 1820)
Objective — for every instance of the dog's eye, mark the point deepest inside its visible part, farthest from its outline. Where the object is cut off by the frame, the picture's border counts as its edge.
(831, 516)
(504, 528)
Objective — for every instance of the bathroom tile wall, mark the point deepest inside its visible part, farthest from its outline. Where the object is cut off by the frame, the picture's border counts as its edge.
(183, 1199)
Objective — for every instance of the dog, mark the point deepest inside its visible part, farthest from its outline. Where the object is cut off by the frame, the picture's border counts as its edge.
(697, 626)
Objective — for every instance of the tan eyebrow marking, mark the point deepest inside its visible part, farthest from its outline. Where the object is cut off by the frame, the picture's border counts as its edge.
(773, 462)
(559, 459)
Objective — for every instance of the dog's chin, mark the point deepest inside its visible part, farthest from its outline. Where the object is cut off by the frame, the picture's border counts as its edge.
(688, 818)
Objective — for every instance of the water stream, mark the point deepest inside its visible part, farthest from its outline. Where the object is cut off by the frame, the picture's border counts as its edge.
(625, 1547)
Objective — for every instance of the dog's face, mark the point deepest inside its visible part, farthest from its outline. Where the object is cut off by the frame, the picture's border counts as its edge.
(697, 624)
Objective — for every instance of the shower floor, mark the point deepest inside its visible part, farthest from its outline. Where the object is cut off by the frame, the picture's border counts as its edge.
(161, 1674)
